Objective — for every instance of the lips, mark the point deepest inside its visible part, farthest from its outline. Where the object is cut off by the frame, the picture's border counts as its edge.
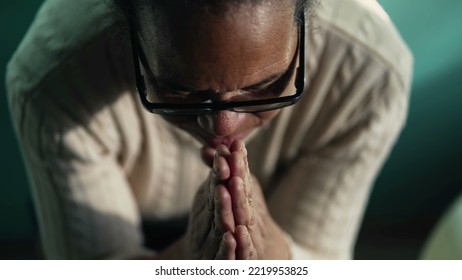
(211, 140)
(214, 141)
(227, 141)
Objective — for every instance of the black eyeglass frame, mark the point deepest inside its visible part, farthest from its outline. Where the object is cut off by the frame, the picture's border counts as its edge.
(207, 108)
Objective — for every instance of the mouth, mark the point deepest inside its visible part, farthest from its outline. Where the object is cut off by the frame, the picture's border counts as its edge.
(227, 140)
(213, 141)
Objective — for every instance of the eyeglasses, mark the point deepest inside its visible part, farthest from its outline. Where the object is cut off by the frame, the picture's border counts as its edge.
(176, 105)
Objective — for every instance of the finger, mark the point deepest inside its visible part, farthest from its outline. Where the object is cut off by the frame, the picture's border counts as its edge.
(241, 207)
(238, 146)
(208, 226)
(223, 217)
(220, 168)
(237, 165)
(207, 154)
(227, 250)
(238, 168)
(223, 151)
(245, 249)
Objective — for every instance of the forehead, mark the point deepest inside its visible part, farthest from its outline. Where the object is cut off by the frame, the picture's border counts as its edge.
(237, 45)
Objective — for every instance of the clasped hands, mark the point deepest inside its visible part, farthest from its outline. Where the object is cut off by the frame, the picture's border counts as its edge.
(229, 218)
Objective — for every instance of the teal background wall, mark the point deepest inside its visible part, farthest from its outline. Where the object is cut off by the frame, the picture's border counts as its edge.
(420, 179)
(422, 175)
(18, 233)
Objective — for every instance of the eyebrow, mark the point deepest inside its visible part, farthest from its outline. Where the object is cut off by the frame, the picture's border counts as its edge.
(268, 80)
(171, 85)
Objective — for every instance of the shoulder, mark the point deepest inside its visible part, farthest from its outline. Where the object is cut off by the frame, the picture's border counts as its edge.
(358, 76)
(364, 25)
(69, 78)
(60, 29)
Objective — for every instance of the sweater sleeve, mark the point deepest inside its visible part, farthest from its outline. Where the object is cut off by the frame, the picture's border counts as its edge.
(85, 206)
(84, 203)
(72, 147)
(321, 198)
(337, 138)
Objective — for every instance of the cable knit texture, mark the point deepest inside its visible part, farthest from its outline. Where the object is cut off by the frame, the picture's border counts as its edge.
(98, 163)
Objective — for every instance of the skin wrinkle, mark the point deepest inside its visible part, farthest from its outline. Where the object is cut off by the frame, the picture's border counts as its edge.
(167, 66)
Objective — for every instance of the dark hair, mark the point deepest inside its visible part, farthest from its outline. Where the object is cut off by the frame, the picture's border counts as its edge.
(126, 9)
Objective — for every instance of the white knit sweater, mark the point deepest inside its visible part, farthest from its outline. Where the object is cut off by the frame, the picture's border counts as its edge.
(98, 163)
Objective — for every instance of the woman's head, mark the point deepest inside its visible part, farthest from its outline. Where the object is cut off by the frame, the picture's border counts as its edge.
(130, 8)
(219, 49)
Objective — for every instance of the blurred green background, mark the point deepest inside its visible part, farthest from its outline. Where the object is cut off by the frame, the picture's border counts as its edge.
(420, 179)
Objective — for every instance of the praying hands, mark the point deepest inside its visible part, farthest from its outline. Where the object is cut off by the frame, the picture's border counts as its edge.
(230, 219)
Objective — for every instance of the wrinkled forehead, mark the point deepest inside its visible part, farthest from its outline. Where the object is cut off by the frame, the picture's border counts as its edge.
(210, 6)
(239, 42)
(172, 16)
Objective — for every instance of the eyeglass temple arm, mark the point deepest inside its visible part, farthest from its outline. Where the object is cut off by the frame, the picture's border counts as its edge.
(300, 78)
(140, 82)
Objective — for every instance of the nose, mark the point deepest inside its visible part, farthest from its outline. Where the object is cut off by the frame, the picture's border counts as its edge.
(222, 123)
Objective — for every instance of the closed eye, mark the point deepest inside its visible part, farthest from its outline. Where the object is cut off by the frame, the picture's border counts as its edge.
(268, 82)
(182, 91)
(173, 88)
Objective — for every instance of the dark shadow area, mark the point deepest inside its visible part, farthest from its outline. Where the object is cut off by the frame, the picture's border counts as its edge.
(158, 235)
(20, 249)
(107, 229)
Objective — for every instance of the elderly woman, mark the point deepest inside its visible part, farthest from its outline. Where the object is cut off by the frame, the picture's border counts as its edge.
(209, 129)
